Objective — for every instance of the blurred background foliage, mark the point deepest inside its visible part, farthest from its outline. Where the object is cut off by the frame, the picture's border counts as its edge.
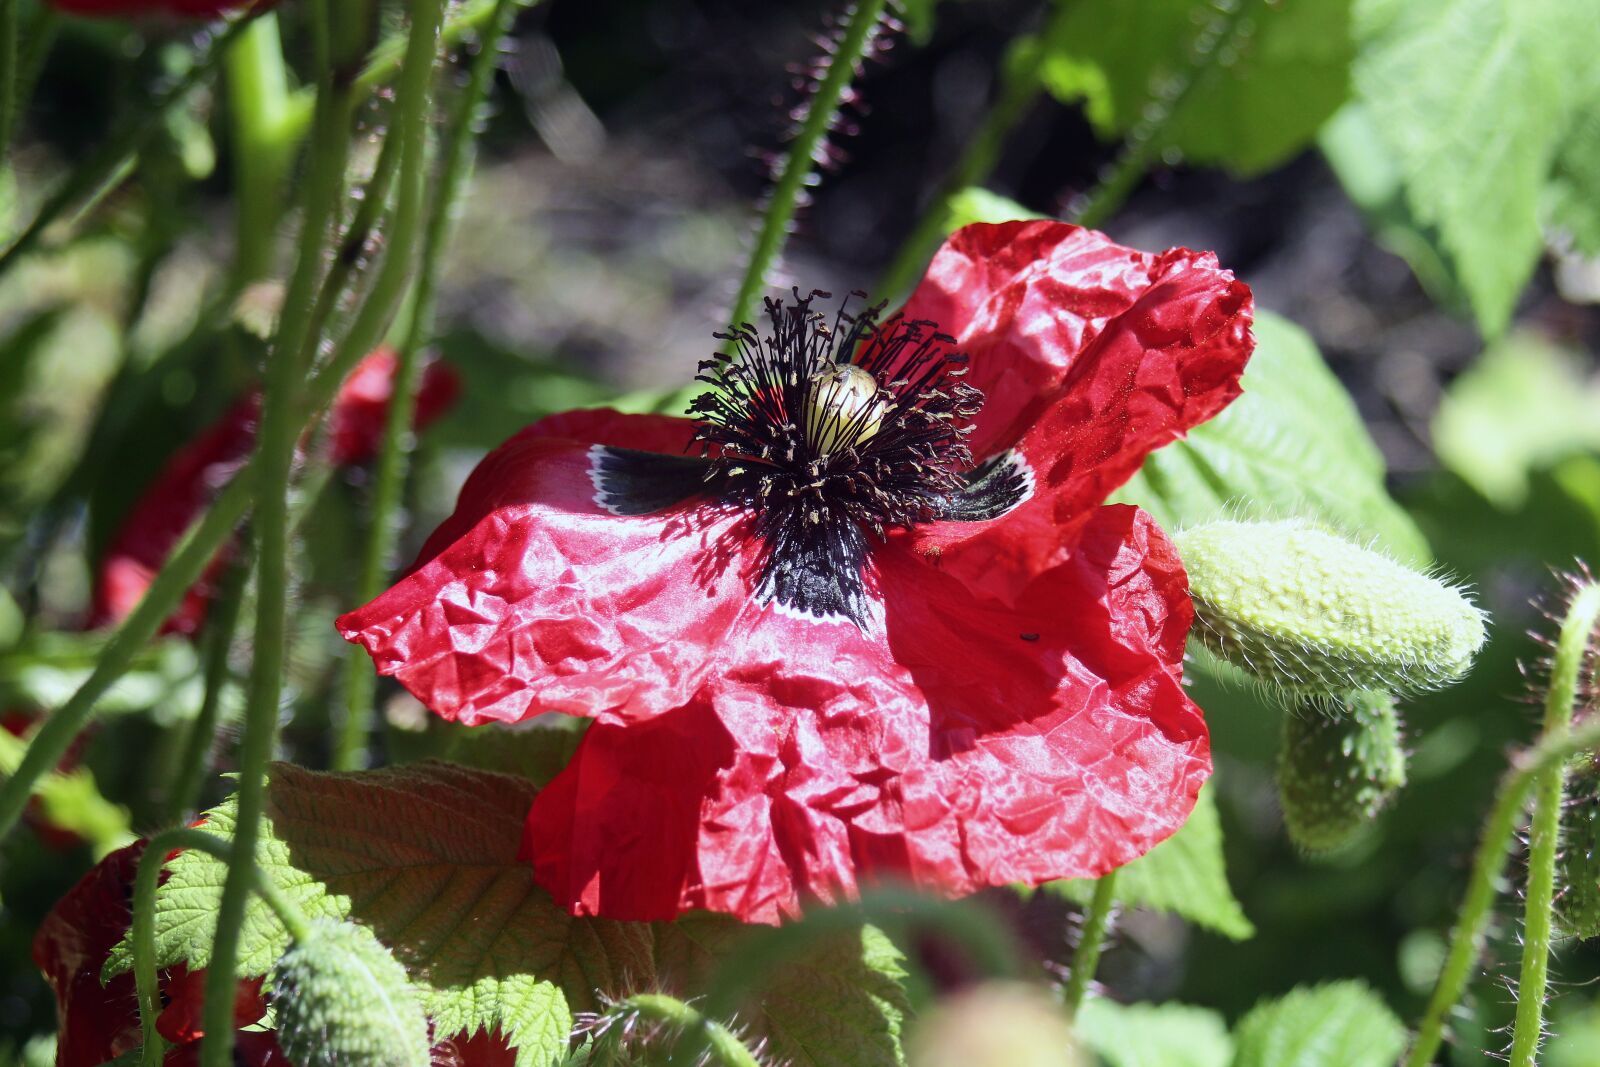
(1411, 187)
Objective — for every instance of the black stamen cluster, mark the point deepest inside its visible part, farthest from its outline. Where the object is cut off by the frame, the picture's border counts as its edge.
(887, 464)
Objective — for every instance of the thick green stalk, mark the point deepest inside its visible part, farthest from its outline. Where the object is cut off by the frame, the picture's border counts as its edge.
(93, 179)
(143, 933)
(1572, 650)
(676, 1015)
(801, 160)
(274, 460)
(350, 746)
(1472, 921)
(1087, 958)
(258, 98)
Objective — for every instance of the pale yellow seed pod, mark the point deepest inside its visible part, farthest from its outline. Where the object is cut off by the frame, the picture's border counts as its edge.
(844, 407)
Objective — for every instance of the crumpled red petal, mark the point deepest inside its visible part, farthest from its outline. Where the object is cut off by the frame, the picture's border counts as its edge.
(546, 601)
(194, 476)
(97, 1023)
(1141, 346)
(977, 744)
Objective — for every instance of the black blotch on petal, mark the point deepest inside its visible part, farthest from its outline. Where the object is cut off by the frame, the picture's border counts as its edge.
(817, 570)
(993, 488)
(629, 482)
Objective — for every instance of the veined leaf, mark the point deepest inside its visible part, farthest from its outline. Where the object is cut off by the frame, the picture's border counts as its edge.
(1153, 1035)
(1293, 444)
(1255, 101)
(1341, 1024)
(1184, 875)
(1471, 101)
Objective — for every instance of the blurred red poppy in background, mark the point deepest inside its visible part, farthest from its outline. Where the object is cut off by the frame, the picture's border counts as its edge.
(194, 476)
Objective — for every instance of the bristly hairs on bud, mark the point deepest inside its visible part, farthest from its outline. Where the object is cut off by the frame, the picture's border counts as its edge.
(663, 1022)
(1341, 760)
(1306, 611)
(343, 1000)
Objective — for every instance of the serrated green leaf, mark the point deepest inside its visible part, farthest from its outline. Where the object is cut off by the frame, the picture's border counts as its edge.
(1522, 407)
(1471, 100)
(426, 856)
(536, 751)
(1153, 1035)
(1256, 100)
(1341, 1024)
(1572, 199)
(1293, 444)
(1184, 875)
(842, 1005)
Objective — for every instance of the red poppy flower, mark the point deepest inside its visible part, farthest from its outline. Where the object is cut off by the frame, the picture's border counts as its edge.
(864, 618)
(193, 9)
(192, 477)
(99, 1022)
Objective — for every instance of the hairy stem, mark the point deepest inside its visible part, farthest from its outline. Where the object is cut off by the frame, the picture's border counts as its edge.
(394, 454)
(1472, 921)
(801, 161)
(143, 934)
(1087, 958)
(93, 179)
(274, 461)
(1572, 647)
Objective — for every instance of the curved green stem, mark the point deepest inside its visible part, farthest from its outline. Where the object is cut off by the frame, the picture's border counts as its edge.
(143, 933)
(350, 744)
(764, 951)
(1472, 921)
(274, 460)
(801, 160)
(90, 181)
(1087, 958)
(182, 570)
(1572, 647)
(675, 1014)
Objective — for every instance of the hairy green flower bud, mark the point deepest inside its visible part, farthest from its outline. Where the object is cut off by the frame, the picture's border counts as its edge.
(343, 1000)
(1578, 867)
(997, 1024)
(1303, 609)
(1340, 763)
